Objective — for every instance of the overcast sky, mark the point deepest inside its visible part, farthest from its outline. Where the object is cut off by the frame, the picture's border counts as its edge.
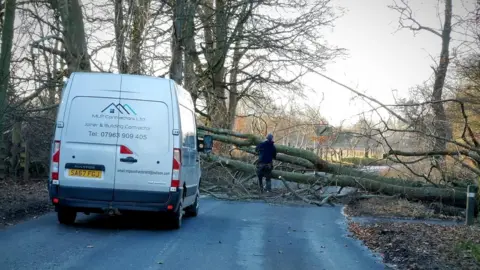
(380, 59)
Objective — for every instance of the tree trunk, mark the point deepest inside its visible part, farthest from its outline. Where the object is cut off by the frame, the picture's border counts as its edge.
(140, 18)
(5, 61)
(61, 71)
(218, 109)
(58, 65)
(16, 146)
(190, 50)
(325, 173)
(442, 127)
(71, 15)
(215, 19)
(248, 140)
(431, 194)
(6, 54)
(120, 30)
(285, 158)
(26, 168)
(177, 45)
(2, 15)
(233, 95)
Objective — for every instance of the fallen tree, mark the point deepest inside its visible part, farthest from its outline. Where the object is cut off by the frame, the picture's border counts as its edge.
(326, 173)
(300, 157)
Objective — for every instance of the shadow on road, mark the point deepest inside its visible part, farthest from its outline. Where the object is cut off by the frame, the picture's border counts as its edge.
(131, 221)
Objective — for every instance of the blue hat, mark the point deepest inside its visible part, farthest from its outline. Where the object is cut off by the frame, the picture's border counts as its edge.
(270, 137)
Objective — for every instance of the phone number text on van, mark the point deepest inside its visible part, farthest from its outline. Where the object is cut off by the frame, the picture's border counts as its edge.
(118, 135)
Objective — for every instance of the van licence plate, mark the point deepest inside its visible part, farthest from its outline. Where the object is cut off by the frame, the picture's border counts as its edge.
(85, 173)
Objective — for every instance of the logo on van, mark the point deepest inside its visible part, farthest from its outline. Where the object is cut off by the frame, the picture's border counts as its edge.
(122, 109)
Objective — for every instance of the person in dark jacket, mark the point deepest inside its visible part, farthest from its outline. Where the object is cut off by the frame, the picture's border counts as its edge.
(266, 152)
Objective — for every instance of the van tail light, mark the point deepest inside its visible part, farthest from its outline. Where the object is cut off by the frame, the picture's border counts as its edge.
(55, 162)
(125, 150)
(177, 163)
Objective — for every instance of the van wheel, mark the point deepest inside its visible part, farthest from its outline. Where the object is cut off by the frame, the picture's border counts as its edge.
(66, 216)
(176, 218)
(192, 210)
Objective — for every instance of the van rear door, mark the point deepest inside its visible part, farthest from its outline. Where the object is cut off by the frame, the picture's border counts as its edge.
(145, 143)
(89, 139)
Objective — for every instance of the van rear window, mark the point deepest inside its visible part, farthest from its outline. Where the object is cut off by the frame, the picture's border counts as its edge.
(147, 127)
(93, 120)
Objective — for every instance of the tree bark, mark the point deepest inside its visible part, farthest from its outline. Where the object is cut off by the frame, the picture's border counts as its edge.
(248, 140)
(56, 77)
(177, 45)
(233, 95)
(5, 61)
(140, 18)
(332, 173)
(217, 108)
(285, 158)
(441, 124)
(120, 37)
(16, 147)
(216, 18)
(26, 168)
(6, 54)
(71, 15)
(190, 50)
(432, 194)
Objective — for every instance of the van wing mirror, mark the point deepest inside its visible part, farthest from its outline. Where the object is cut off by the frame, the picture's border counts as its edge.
(205, 144)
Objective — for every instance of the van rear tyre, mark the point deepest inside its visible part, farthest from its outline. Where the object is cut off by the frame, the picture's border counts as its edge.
(176, 218)
(66, 216)
(192, 210)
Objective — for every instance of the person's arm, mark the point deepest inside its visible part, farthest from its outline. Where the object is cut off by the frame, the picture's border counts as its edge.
(257, 151)
(274, 152)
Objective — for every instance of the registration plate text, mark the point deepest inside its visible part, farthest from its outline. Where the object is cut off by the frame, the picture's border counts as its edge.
(85, 173)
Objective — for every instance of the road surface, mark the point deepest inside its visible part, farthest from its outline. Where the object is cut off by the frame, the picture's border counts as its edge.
(225, 235)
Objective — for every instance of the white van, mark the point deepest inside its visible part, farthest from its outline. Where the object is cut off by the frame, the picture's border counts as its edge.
(124, 143)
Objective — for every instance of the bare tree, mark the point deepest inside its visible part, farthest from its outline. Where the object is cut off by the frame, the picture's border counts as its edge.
(5, 60)
(179, 22)
(408, 21)
(248, 48)
(140, 35)
(140, 10)
(71, 16)
(120, 31)
(190, 50)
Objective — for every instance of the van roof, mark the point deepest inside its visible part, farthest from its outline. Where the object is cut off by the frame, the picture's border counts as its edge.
(93, 73)
(96, 81)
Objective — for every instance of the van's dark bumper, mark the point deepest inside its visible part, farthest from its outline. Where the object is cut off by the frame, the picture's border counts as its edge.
(86, 199)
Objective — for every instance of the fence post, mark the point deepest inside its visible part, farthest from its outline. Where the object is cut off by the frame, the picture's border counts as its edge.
(471, 202)
(3, 157)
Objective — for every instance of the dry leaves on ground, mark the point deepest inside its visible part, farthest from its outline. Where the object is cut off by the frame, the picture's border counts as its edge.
(422, 246)
(18, 201)
(395, 207)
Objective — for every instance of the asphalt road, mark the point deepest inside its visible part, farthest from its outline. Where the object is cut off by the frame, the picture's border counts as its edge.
(225, 235)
